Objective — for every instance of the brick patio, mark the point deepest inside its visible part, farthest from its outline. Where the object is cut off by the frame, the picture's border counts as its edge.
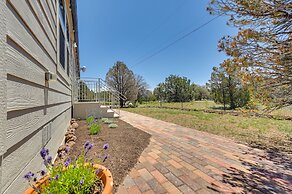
(183, 160)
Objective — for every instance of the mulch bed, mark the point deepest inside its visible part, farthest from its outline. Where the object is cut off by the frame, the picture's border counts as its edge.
(126, 143)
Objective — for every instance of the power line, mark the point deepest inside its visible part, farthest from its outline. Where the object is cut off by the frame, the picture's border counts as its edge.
(166, 20)
(177, 40)
(166, 41)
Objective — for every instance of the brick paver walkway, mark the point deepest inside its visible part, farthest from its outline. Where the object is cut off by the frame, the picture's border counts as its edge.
(183, 160)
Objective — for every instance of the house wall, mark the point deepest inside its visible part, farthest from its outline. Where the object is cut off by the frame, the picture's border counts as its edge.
(33, 112)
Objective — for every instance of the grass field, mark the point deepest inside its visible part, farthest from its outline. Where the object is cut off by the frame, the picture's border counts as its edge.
(199, 105)
(259, 132)
(208, 105)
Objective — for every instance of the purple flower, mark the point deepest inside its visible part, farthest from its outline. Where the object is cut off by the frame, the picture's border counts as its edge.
(104, 159)
(49, 160)
(97, 171)
(43, 172)
(28, 176)
(81, 182)
(60, 155)
(68, 161)
(43, 152)
(90, 146)
(105, 146)
(57, 177)
(74, 166)
(86, 144)
(67, 149)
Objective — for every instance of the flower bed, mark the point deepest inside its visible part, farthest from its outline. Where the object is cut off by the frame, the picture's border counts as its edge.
(126, 145)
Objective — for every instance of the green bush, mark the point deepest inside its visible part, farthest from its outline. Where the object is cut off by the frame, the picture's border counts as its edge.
(94, 129)
(89, 120)
(104, 120)
(112, 125)
(108, 121)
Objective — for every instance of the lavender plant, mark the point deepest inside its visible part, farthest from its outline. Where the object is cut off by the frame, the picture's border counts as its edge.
(72, 176)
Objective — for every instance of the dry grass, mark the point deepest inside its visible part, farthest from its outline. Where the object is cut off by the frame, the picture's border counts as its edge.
(199, 105)
(211, 105)
(259, 132)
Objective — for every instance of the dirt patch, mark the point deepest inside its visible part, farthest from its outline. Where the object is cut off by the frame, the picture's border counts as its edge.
(126, 143)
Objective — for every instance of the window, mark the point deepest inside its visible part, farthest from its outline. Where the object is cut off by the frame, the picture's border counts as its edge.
(62, 47)
(62, 11)
(68, 63)
(64, 38)
(68, 33)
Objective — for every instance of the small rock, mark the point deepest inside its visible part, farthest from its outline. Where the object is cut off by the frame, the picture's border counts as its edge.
(70, 143)
(73, 121)
(62, 148)
(71, 130)
(69, 133)
(70, 137)
(75, 125)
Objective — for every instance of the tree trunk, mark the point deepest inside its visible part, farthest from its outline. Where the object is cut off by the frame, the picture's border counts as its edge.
(231, 93)
(121, 102)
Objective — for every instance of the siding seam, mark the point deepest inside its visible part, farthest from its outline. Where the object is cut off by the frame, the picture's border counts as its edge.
(29, 30)
(35, 132)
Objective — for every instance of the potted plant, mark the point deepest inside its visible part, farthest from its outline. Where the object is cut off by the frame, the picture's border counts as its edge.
(79, 175)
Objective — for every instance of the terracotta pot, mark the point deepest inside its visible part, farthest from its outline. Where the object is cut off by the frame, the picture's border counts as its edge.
(105, 176)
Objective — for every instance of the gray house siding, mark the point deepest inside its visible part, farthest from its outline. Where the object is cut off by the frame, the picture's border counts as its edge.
(33, 112)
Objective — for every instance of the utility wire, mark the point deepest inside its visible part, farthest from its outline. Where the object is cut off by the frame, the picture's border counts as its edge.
(187, 29)
(166, 20)
(177, 40)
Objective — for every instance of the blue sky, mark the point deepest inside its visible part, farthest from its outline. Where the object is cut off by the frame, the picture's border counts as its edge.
(127, 30)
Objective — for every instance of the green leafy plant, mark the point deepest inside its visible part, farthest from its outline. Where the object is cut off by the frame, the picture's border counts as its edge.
(104, 120)
(108, 121)
(73, 176)
(94, 128)
(112, 125)
(89, 120)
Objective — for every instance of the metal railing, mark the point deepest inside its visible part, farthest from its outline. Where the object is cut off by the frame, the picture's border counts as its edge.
(97, 90)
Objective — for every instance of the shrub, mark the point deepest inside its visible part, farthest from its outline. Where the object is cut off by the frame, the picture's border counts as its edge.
(89, 120)
(112, 125)
(94, 129)
(109, 121)
(104, 120)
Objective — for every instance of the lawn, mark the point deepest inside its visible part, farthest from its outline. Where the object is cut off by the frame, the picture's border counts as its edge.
(210, 105)
(258, 132)
(199, 105)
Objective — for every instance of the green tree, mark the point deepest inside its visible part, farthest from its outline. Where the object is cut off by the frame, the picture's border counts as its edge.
(261, 52)
(227, 89)
(160, 92)
(174, 89)
(200, 92)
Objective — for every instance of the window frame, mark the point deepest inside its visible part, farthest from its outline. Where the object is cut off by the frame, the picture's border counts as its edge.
(63, 26)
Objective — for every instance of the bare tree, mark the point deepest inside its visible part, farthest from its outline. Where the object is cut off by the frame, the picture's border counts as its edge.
(121, 78)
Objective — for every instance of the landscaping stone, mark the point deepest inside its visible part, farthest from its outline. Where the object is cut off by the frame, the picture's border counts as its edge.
(61, 148)
(75, 125)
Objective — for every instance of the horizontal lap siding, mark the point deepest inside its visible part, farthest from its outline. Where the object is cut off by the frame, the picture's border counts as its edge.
(49, 30)
(30, 20)
(26, 157)
(32, 103)
(2, 81)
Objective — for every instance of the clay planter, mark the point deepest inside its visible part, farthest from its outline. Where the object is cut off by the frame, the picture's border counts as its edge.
(105, 176)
